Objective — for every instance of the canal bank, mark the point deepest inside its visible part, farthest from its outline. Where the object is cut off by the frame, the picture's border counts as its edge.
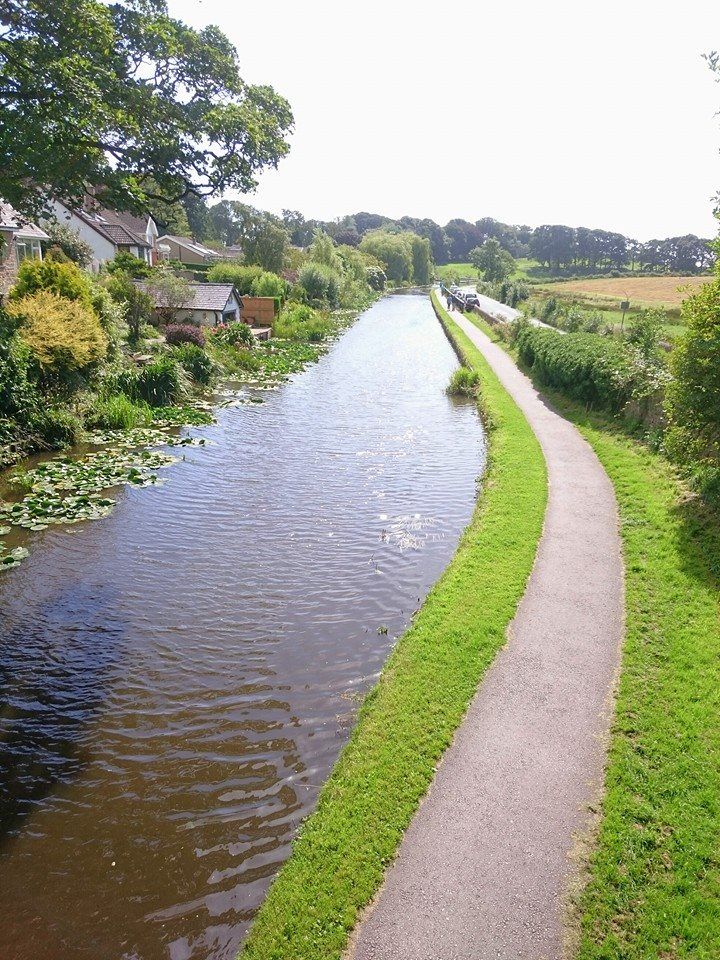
(179, 677)
(410, 717)
(485, 868)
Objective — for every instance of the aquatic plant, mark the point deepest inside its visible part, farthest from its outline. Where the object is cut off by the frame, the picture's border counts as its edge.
(117, 412)
(179, 416)
(66, 490)
(463, 383)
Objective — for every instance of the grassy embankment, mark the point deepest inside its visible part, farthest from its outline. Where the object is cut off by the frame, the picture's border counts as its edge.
(654, 876)
(408, 720)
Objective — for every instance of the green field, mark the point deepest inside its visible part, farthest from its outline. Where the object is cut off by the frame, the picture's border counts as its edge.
(339, 859)
(653, 886)
(450, 272)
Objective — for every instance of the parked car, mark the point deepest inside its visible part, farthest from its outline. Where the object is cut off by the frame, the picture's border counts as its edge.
(471, 301)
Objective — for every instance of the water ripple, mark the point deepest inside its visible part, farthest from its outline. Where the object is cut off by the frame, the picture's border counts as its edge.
(177, 680)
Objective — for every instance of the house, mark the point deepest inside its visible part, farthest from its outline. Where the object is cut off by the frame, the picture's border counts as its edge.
(110, 232)
(207, 304)
(186, 250)
(21, 239)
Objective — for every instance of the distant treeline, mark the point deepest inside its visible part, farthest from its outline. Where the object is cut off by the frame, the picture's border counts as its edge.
(558, 248)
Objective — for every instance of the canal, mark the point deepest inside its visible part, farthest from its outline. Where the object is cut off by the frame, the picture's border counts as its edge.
(177, 680)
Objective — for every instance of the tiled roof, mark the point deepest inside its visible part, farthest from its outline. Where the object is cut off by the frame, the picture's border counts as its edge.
(122, 229)
(10, 219)
(201, 296)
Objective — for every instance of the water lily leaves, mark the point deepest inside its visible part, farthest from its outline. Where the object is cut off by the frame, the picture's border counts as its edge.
(66, 490)
(11, 558)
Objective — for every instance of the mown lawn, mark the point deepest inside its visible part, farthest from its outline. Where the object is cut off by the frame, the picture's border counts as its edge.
(407, 721)
(447, 271)
(653, 891)
(655, 877)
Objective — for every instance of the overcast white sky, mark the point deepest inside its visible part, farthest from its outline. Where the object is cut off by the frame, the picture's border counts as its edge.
(599, 115)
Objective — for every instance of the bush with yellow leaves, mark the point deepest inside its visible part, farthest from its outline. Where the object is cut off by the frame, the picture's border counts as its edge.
(64, 336)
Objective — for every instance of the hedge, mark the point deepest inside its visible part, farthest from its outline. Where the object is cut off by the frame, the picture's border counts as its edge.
(600, 371)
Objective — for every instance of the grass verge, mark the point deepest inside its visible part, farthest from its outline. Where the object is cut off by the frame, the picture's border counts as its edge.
(653, 886)
(409, 718)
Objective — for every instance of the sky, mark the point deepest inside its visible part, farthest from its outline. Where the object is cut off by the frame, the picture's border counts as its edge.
(589, 114)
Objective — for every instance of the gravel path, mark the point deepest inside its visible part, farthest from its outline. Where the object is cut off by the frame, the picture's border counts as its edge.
(484, 869)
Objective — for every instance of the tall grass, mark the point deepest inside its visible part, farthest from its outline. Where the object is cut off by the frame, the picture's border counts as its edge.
(464, 382)
(117, 412)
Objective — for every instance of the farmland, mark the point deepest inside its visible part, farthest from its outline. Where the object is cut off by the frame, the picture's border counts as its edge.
(651, 291)
(606, 294)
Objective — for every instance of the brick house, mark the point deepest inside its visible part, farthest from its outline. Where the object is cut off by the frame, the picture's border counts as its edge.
(20, 239)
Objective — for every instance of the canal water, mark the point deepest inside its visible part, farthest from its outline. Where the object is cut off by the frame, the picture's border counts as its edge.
(177, 680)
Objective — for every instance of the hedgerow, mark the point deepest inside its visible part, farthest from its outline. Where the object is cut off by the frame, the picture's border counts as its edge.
(600, 371)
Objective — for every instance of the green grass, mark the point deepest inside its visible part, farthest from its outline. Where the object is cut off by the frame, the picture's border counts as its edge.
(654, 877)
(450, 271)
(407, 721)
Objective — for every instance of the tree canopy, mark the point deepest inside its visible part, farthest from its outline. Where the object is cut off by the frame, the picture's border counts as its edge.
(492, 261)
(124, 97)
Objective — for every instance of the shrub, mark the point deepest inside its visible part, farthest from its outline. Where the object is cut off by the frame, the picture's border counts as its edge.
(18, 394)
(59, 428)
(195, 361)
(299, 322)
(176, 333)
(242, 276)
(268, 285)
(130, 264)
(693, 397)
(321, 283)
(463, 383)
(71, 244)
(64, 336)
(52, 276)
(376, 278)
(160, 383)
(599, 371)
(645, 331)
(233, 334)
(136, 305)
(109, 312)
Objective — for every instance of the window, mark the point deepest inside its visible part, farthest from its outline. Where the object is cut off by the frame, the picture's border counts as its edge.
(26, 247)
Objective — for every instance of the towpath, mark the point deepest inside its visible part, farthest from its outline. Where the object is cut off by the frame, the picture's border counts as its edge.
(484, 869)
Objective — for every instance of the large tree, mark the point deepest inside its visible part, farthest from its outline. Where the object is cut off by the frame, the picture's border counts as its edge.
(126, 98)
(492, 261)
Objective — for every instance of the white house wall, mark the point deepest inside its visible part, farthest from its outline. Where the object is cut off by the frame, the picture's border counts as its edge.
(103, 250)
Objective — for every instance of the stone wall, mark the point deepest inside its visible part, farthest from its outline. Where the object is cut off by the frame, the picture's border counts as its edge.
(8, 263)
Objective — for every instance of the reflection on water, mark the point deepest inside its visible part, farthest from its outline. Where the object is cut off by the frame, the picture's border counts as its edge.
(178, 679)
